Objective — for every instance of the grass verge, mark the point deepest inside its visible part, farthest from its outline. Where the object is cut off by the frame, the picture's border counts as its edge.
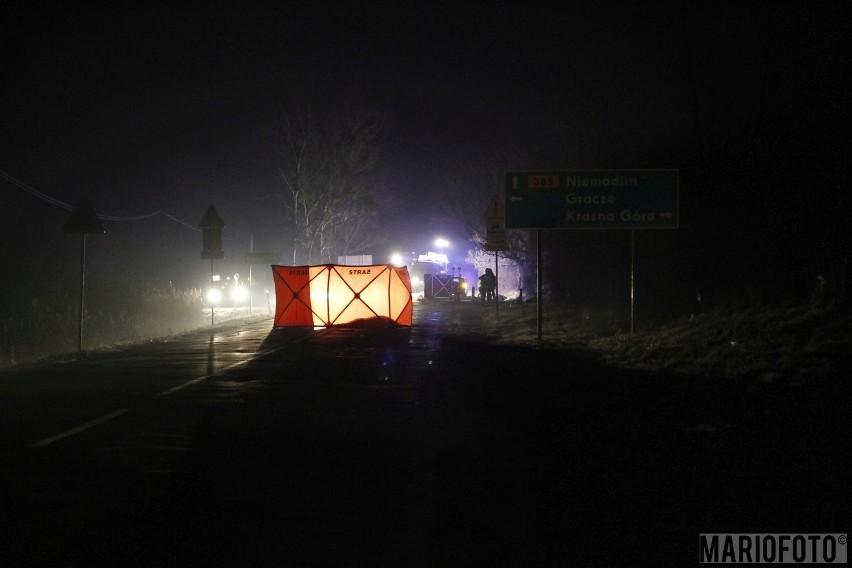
(794, 341)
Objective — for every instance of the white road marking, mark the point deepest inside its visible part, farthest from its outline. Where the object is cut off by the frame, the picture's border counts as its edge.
(184, 385)
(80, 428)
(116, 413)
(191, 382)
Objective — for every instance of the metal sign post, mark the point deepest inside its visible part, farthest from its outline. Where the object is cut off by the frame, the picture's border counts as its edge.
(251, 296)
(632, 275)
(496, 283)
(495, 240)
(211, 244)
(82, 289)
(538, 282)
(83, 220)
(253, 258)
(212, 305)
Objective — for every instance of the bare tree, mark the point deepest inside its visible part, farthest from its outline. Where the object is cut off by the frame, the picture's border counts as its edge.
(472, 186)
(325, 162)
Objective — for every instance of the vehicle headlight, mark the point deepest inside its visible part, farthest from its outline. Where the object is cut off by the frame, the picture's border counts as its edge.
(214, 295)
(239, 294)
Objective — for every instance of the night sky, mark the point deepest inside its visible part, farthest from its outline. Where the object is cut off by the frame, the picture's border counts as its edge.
(170, 110)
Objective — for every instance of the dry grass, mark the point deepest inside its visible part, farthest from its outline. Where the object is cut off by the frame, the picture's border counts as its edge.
(791, 341)
(114, 314)
(794, 342)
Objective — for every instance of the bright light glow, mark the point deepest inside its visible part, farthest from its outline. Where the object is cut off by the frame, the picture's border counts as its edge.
(441, 243)
(239, 294)
(441, 259)
(214, 295)
(397, 260)
(433, 257)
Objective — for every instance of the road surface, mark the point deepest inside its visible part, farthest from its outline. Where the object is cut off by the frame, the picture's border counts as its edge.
(244, 445)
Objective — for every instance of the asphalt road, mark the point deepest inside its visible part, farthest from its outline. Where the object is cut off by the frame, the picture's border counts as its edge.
(398, 447)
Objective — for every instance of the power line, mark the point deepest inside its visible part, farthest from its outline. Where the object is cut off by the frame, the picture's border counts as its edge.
(116, 218)
(33, 191)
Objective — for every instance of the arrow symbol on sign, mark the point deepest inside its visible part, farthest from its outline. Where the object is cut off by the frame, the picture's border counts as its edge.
(516, 198)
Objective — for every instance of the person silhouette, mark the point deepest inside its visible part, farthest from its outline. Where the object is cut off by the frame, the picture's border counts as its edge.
(487, 284)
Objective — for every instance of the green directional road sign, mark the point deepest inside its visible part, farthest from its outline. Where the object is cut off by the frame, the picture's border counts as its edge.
(592, 199)
(262, 258)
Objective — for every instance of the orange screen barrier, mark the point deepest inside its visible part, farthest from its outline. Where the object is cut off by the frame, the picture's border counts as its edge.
(333, 294)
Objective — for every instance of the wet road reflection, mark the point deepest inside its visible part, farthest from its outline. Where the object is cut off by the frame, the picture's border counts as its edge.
(420, 446)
